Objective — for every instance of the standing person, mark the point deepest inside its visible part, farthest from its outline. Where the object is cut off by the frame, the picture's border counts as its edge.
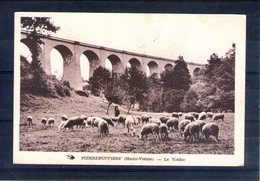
(117, 112)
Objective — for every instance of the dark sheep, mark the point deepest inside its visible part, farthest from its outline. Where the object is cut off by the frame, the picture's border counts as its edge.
(175, 115)
(74, 121)
(202, 116)
(196, 115)
(114, 119)
(108, 120)
(121, 120)
(150, 128)
(210, 129)
(164, 119)
(192, 131)
(210, 115)
(145, 118)
(173, 123)
(219, 116)
(180, 114)
(163, 131)
(190, 117)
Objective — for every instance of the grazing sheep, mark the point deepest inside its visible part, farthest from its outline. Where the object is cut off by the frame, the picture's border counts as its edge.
(108, 120)
(202, 116)
(164, 119)
(129, 122)
(145, 118)
(114, 119)
(192, 131)
(64, 120)
(210, 114)
(44, 121)
(196, 115)
(150, 128)
(175, 115)
(210, 129)
(155, 120)
(219, 116)
(74, 121)
(51, 122)
(183, 124)
(180, 114)
(29, 120)
(95, 121)
(163, 131)
(138, 118)
(88, 121)
(201, 124)
(121, 120)
(172, 123)
(103, 128)
(190, 117)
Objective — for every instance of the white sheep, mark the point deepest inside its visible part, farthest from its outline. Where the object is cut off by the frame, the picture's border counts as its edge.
(183, 124)
(192, 131)
(64, 120)
(155, 120)
(103, 128)
(148, 128)
(44, 121)
(211, 129)
(51, 122)
(129, 122)
(202, 116)
(172, 123)
(29, 120)
(163, 131)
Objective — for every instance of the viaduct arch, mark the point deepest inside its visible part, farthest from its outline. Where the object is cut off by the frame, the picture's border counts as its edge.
(71, 51)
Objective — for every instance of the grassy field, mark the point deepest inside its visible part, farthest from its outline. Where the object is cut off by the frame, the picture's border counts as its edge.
(49, 139)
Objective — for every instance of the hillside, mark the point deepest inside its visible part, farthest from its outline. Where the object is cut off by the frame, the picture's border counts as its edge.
(74, 105)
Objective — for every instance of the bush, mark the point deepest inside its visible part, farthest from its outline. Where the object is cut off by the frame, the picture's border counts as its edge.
(41, 84)
(82, 93)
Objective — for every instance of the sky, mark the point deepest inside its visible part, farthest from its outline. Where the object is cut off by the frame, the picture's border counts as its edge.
(195, 37)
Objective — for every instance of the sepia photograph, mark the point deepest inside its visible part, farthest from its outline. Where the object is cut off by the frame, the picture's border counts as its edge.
(129, 89)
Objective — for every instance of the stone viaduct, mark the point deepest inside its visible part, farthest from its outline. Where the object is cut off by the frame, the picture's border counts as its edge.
(97, 55)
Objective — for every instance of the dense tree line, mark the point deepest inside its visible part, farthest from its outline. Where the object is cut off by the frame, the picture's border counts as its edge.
(210, 89)
(213, 88)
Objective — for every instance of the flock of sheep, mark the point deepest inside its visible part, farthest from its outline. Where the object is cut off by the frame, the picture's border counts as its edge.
(193, 124)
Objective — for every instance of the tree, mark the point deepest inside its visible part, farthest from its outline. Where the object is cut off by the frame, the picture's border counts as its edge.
(134, 83)
(103, 82)
(113, 93)
(98, 82)
(36, 28)
(175, 83)
(178, 77)
(216, 90)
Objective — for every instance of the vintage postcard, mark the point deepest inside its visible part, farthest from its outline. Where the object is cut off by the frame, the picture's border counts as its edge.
(129, 89)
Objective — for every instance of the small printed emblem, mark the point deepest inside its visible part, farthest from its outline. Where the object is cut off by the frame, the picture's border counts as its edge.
(71, 157)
